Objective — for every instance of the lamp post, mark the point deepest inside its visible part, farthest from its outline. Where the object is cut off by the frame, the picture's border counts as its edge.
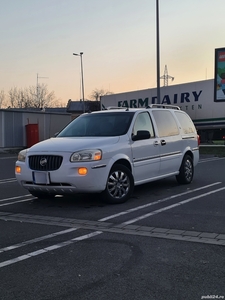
(82, 77)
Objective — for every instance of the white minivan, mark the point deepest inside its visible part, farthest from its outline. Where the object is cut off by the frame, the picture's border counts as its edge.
(110, 152)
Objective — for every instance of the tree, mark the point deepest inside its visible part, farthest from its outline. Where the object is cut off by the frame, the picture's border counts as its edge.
(13, 95)
(2, 98)
(19, 98)
(41, 97)
(32, 97)
(97, 93)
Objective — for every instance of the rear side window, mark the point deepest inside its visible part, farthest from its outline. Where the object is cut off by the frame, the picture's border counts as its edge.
(185, 122)
(165, 122)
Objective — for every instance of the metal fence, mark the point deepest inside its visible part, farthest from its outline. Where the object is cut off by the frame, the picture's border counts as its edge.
(13, 126)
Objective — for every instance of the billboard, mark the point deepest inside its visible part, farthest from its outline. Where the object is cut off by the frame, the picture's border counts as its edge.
(219, 79)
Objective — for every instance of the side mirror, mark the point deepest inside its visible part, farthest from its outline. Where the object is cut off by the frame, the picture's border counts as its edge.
(141, 135)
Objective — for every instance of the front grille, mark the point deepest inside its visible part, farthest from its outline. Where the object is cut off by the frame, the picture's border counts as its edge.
(45, 162)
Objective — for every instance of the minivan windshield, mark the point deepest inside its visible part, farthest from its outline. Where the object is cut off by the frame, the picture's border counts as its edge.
(98, 124)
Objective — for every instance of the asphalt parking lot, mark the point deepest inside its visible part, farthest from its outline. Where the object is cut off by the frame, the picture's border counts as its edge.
(167, 242)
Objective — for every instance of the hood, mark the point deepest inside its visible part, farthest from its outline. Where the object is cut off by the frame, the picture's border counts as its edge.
(72, 144)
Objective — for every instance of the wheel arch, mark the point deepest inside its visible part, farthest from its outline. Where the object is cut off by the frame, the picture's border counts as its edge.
(123, 162)
(190, 153)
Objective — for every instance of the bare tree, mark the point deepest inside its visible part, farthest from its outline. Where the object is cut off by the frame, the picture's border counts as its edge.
(97, 93)
(41, 97)
(13, 96)
(32, 97)
(26, 98)
(19, 98)
(2, 98)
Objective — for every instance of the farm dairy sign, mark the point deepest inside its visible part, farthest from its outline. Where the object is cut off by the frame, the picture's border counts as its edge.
(175, 99)
(189, 97)
(196, 98)
(192, 95)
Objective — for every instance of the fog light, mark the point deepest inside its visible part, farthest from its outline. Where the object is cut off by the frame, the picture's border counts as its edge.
(82, 171)
(18, 169)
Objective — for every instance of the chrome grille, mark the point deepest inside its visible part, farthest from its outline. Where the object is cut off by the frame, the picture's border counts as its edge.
(45, 162)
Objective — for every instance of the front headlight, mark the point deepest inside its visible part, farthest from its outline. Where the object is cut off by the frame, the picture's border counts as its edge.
(22, 155)
(86, 155)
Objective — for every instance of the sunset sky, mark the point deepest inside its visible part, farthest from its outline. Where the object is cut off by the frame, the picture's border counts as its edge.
(117, 37)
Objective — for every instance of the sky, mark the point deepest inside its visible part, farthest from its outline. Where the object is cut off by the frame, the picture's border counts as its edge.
(118, 41)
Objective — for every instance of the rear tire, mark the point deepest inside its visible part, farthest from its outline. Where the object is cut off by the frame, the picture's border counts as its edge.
(186, 170)
(119, 186)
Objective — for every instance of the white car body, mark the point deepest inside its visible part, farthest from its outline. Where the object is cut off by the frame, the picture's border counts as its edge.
(147, 159)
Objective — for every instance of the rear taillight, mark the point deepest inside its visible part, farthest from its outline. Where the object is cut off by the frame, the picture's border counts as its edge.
(198, 139)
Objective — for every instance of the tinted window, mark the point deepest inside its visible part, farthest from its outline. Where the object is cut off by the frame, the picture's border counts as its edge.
(98, 124)
(143, 122)
(185, 122)
(165, 122)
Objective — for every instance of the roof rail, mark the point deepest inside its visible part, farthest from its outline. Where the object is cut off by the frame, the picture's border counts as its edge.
(164, 106)
(117, 107)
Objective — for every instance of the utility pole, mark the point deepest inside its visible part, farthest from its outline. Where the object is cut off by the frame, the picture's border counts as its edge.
(38, 100)
(166, 77)
(158, 52)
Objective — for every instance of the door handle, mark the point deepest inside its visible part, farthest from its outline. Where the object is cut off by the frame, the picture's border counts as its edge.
(163, 142)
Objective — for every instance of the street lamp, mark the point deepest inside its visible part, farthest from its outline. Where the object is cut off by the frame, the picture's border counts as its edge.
(82, 76)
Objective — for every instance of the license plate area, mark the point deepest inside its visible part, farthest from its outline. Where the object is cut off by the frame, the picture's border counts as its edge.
(41, 178)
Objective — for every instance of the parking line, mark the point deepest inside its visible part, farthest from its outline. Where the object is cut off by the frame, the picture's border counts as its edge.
(17, 197)
(3, 181)
(171, 206)
(6, 157)
(209, 159)
(156, 202)
(6, 204)
(50, 248)
(42, 238)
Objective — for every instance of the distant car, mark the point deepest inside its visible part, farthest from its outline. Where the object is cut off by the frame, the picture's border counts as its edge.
(110, 152)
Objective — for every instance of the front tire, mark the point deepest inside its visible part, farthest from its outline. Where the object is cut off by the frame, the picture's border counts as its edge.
(186, 171)
(119, 186)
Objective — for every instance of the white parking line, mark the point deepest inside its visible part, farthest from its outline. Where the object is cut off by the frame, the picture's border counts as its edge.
(71, 241)
(156, 202)
(25, 200)
(171, 206)
(3, 181)
(17, 197)
(50, 248)
(42, 238)
(209, 159)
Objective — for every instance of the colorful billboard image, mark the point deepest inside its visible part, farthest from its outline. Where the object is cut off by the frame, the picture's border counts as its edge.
(219, 80)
